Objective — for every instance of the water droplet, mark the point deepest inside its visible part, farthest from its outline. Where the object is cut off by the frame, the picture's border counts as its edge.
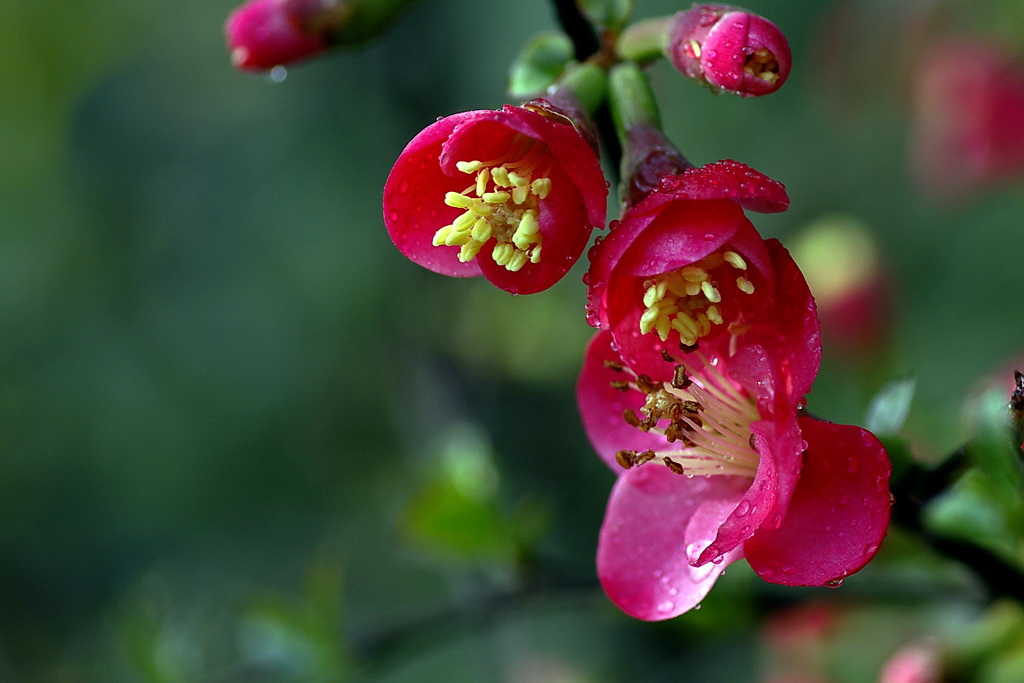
(404, 185)
(393, 215)
(787, 569)
(666, 607)
(835, 583)
(871, 549)
(743, 508)
(278, 74)
(697, 606)
(711, 54)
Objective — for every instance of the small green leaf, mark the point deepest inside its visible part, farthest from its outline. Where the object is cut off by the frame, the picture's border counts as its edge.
(888, 409)
(539, 64)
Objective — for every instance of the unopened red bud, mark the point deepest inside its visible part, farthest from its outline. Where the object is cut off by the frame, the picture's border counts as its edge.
(730, 49)
(263, 34)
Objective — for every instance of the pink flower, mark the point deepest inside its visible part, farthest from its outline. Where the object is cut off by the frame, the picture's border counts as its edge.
(262, 34)
(685, 269)
(729, 49)
(715, 465)
(511, 195)
(968, 118)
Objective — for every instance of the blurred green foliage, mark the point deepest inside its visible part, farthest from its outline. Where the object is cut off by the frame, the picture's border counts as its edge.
(227, 404)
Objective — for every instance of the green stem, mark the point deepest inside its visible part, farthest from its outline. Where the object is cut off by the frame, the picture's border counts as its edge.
(645, 41)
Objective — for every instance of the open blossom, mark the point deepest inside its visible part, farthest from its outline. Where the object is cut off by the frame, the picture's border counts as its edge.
(511, 195)
(729, 49)
(715, 465)
(686, 268)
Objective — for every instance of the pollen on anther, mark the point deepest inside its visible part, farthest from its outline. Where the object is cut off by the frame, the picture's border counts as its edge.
(744, 285)
(710, 292)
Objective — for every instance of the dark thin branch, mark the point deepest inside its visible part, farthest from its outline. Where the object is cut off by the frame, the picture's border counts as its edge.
(584, 39)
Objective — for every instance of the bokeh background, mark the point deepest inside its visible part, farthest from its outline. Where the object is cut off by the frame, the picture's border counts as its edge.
(242, 439)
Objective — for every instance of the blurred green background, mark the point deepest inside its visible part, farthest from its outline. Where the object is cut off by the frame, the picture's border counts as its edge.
(243, 439)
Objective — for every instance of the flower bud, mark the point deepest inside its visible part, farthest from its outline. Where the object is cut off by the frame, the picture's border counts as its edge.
(729, 49)
(262, 34)
(851, 284)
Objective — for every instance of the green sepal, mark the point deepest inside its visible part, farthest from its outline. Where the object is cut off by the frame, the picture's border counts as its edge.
(645, 41)
(361, 20)
(539, 64)
(607, 14)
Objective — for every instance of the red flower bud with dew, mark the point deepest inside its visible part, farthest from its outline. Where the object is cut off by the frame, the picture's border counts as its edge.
(511, 195)
(263, 34)
(729, 49)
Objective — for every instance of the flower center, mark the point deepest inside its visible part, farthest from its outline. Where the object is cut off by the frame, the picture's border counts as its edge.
(705, 417)
(687, 300)
(762, 64)
(502, 204)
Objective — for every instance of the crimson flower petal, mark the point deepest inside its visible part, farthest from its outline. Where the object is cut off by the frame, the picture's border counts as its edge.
(601, 405)
(839, 512)
(656, 524)
(733, 180)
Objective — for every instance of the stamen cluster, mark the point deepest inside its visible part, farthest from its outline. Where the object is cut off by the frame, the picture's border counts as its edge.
(505, 208)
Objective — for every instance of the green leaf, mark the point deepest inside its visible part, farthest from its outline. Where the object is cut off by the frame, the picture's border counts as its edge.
(539, 64)
(888, 409)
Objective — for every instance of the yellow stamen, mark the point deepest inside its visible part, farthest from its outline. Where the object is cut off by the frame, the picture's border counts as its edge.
(501, 206)
(735, 260)
(744, 285)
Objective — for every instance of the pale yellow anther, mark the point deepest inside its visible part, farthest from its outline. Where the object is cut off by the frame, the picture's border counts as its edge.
(692, 288)
(518, 260)
(703, 325)
(469, 166)
(469, 251)
(502, 253)
(495, 197)
(535, 254)
(481, 231)
(744, 285)
(518, 180)
(528, 224)
(541, 187)
(664, 326)
(520, 193)
(683, 323)
(464, 221)
(499, 174)
(695, 47)
(710, 292)
(454, 238)
(458, 201)
(714, 315)
(441, 235)
(482, 178)
(650, 296)
(694, 274)
(647, 320)
(735, 260)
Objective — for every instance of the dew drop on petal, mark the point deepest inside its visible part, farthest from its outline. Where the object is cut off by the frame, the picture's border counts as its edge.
(666, 607)
(835, 583)
(403, 186)
(743, 508)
